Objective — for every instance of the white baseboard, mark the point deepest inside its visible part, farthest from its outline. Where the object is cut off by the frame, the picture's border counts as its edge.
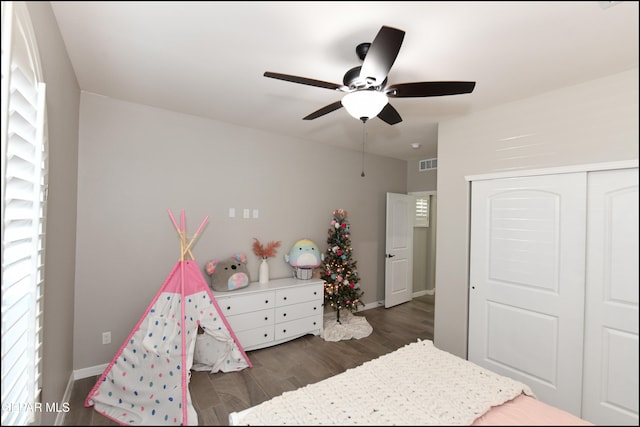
(425, 292)
(366, 307)
(65, 398)
(381, 302)
(372, 305)
(89, 372)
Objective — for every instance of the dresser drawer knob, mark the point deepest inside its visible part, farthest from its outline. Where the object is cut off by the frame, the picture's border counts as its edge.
(285, 298)
(284, 314)
(266, 318)
(265, 335)
(315, 308)
(284, 331)
(314, 323)
(315, 292)
(228, 308)
(266, 301)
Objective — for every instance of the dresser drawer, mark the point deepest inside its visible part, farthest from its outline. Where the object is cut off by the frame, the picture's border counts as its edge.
(255, 337)
(241, 322)
(297, 311)
(299, 294)
(311, 324)
(239, 304)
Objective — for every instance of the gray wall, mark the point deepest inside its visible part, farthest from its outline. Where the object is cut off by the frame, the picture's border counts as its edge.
(135, 162)
(420, 257)
(63, 100)
(421, 181)
(592, 122)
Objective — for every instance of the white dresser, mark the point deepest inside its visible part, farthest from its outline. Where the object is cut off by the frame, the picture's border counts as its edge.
(262, 315)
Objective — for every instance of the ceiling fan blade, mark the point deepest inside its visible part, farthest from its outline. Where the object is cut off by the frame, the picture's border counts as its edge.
(424, 89)
(389, 115)
(324, 110)
(381, 55)
(303, 80)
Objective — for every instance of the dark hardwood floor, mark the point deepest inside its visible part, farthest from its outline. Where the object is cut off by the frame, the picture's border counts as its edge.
(285, 367)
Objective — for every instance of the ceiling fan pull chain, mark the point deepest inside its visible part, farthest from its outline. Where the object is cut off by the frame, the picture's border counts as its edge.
(364, 136)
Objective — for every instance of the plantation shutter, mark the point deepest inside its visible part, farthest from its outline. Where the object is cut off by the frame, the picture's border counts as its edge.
(421, 218)
(24, 174)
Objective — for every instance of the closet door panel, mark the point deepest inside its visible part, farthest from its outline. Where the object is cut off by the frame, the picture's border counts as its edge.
(527, 273)
(611, 311)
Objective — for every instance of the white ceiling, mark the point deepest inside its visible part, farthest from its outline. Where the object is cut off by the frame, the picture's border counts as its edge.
(208, 58)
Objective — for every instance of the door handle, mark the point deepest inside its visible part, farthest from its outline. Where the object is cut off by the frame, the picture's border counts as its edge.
(389, 255)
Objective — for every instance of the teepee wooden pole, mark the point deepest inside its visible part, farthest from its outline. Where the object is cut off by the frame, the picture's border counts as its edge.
(201, 225)
(173, 220)
(195, 236)
(181, 233)
(183, 242)
(183, 229)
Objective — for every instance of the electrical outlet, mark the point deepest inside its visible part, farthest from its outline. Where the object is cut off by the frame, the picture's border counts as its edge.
(106, 337)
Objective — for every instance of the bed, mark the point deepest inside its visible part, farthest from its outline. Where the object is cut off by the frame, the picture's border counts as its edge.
(418, 384)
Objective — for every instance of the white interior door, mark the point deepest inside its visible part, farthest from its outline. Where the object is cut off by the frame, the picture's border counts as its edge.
(611, 312)
(398, 268)
(527, 273)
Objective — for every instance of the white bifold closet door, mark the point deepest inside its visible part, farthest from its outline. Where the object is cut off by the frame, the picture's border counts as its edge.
(611, 311)
(527, 273)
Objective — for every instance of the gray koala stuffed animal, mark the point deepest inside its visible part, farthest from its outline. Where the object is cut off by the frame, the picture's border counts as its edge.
(229, 274)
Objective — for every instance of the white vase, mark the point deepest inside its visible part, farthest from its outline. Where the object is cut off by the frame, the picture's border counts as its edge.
(263, 272)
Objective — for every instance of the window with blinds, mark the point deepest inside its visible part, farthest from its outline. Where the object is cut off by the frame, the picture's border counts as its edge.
(421, 218)
(24, 184)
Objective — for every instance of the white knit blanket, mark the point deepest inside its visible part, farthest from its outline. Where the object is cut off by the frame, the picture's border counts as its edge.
(417, 384)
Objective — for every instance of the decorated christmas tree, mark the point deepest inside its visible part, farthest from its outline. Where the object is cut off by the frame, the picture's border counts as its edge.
(341, 289)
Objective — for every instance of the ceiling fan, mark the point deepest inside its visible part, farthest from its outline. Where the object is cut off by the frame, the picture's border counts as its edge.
(367, 92)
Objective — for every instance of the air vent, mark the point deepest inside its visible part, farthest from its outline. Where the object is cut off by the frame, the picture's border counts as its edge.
(427, 164)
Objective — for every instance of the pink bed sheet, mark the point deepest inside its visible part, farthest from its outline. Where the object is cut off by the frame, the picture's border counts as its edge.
(528, 411)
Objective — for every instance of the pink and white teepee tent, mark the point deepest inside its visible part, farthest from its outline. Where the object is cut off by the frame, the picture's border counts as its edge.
(147, 382)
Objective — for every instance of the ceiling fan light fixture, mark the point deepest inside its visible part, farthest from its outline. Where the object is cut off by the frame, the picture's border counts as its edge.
(364, 103)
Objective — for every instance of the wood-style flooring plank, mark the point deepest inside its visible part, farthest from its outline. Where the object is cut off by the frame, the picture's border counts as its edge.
(80, 390)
